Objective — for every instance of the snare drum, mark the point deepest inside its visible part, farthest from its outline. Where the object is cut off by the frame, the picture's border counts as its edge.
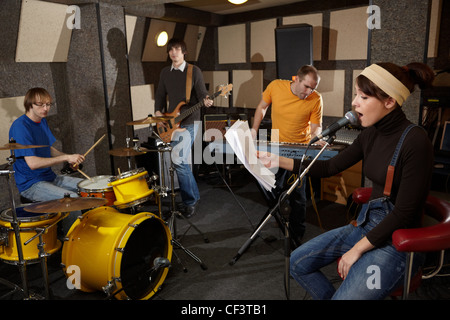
(28, 223)
(97, 187)
(131, 188)
(116, 251)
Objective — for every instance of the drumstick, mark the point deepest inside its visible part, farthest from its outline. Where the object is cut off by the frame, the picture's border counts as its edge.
(90, 149)
(98, 141)
(84, 174)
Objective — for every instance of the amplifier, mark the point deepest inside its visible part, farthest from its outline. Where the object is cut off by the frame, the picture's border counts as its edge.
(220, 122)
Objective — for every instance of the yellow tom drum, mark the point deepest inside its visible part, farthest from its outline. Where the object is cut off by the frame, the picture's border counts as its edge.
(115, 252)
(131, 188)
(28, 224)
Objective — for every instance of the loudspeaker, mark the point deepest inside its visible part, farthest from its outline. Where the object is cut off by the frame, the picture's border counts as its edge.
(293, 49)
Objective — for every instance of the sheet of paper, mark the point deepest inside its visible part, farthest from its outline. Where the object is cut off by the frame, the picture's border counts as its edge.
(240, 139)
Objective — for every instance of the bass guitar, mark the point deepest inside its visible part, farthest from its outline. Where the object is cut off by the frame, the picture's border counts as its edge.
(167, 129)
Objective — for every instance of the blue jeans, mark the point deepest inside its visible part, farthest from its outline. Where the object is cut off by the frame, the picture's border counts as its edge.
(46, 191)
(374, 276)
(181, 158)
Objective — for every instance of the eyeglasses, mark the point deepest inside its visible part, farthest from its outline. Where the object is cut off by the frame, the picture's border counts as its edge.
(41, 105)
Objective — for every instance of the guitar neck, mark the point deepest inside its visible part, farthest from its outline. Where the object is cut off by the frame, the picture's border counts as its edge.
(194, 108)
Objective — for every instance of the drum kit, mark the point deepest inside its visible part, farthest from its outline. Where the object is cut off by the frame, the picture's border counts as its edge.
(132, 251)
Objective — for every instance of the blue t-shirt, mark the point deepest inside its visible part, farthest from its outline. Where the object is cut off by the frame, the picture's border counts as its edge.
(27, 132)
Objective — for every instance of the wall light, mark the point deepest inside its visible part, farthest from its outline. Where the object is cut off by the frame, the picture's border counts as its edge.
(237, 1)
(162, 38)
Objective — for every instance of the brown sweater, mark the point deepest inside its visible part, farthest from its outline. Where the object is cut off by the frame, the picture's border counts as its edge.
(375, 145)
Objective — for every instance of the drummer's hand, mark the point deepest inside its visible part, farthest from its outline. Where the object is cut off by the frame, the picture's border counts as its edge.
(207, 102)
(75, 160)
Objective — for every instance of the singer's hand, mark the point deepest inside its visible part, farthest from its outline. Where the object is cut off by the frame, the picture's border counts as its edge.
(269, 160)
(346, 262)
(351, 256)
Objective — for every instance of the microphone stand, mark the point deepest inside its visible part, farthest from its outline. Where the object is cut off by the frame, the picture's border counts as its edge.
(273, 211)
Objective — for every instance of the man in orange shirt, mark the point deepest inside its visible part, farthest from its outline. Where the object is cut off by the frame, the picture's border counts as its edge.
(296, 114)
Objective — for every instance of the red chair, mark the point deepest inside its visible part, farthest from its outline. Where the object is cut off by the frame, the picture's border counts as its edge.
(425, 239)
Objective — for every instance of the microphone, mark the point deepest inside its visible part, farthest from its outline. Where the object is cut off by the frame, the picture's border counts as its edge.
(350, 117)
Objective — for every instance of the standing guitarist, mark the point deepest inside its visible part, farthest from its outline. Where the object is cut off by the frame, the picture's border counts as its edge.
(173, 88)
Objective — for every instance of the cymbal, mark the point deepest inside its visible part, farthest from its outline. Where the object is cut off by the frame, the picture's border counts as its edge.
(128, 152)
(15, 146)
(66, 204)
(149, 120)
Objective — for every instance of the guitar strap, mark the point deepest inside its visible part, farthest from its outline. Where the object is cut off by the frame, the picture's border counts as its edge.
(189, 82)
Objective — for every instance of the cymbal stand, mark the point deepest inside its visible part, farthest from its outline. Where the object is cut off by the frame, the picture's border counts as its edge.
(135, 147)
(172, 225)
(15, 224)
(273, 211)
(174, 212)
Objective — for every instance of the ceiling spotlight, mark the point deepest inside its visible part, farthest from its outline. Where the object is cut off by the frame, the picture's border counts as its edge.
(162, 38)
(237, 1)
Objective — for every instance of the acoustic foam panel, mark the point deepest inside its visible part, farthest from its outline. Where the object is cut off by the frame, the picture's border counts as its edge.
(262, 41)
(44, 35)
(348, 34)
(232, 47)
(247, 88)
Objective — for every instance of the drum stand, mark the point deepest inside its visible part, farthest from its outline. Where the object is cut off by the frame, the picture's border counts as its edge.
(173, 211)
(21, 263)
(39, 232)
(15, 225)
(42, 254)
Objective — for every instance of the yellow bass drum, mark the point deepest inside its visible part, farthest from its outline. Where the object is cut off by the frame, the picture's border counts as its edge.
(115, 252)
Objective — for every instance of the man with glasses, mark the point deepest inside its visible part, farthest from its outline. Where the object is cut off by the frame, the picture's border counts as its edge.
(34, 177)
(296, 113)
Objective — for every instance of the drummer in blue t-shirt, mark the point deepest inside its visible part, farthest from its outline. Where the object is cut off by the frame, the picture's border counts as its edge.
(34, 177)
